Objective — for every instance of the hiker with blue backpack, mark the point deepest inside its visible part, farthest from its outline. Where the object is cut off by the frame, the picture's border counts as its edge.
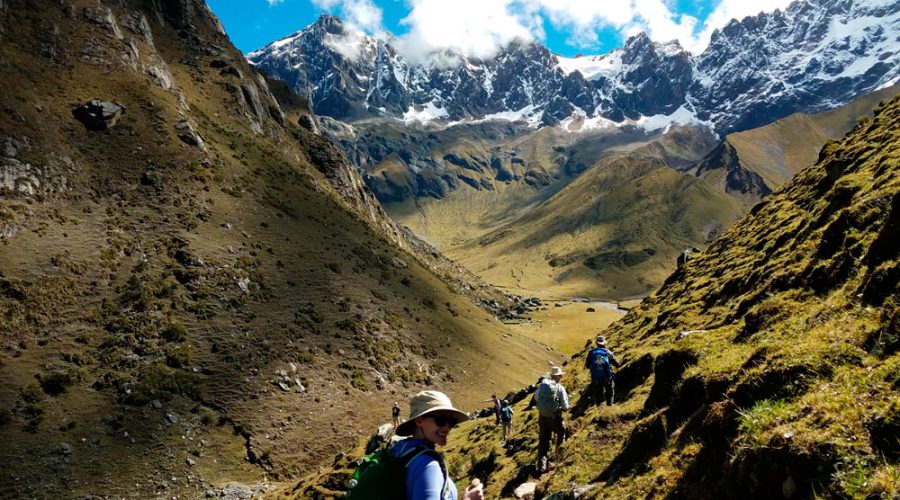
(413, 469)
(506, 413)
(600, 360)
(551, 400)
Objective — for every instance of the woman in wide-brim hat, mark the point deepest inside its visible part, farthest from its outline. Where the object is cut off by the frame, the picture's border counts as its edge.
(431, 418)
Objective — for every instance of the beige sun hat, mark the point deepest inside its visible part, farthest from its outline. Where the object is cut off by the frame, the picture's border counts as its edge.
(424, 403)
(601, 340)
(556, 371)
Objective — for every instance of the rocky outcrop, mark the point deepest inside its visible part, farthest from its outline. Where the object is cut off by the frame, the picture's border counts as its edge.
(98, 115)
(21, 175)
(737, 178)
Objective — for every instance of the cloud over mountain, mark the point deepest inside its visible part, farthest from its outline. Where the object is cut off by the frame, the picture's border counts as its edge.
(435, 25)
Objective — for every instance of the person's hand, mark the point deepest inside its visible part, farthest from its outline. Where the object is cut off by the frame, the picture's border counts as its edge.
(474, 491)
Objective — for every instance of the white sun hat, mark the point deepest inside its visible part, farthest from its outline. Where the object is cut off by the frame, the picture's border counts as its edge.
(424, 403)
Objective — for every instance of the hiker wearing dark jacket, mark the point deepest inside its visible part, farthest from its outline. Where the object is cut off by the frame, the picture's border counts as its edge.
(600, 360)
(494, 399)
(431, 418)
(395, 414)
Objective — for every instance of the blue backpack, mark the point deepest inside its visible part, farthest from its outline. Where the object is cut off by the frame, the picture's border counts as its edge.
(506, 414)
(601, 370)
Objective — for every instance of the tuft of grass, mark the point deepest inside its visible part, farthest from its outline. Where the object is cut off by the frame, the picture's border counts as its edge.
(755, 422)
(180, 356)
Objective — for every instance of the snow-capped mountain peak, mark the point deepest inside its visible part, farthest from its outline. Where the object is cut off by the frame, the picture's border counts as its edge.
(813, 55)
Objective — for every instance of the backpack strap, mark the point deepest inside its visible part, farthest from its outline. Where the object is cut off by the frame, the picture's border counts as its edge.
(416, 451)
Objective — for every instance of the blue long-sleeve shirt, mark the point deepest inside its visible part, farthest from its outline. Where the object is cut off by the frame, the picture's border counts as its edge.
(425, 478)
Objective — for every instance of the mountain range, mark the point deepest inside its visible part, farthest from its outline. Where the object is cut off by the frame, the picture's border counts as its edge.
(814, 55)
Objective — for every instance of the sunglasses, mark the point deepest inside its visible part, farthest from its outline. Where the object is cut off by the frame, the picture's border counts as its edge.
(442, 421)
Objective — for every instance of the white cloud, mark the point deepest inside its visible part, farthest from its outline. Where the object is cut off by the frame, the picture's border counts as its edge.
(361, 14)
(474, 27)
(274, 2)
(582, 19)
(322, 4)
(480, 27)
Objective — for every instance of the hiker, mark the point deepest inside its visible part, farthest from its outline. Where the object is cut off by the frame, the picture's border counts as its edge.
(506, 413)
(551, 400)
(395, 414)
(431, 418)
(600, 360)
(494, 399)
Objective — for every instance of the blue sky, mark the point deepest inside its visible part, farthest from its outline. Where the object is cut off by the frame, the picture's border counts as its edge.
(477, 27)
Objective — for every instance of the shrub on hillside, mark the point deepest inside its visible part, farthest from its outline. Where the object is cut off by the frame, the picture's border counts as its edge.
(175, 332)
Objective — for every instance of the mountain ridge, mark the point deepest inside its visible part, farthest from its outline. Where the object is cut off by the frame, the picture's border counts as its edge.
(349, 76)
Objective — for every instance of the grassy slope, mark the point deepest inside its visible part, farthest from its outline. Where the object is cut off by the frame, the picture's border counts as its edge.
(617, 220)
(612, 232)
(781, 149)
(125, 332)
(769, 365)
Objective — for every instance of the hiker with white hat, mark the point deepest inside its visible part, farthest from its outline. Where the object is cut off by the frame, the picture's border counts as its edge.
(431, 418)
(395, 414)
(551, 400)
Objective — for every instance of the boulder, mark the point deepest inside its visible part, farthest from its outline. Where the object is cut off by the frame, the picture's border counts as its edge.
(525, 491)
(98, 115)
(189, 136)
(381, 436)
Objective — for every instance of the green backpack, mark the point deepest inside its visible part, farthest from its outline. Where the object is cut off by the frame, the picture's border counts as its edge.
(382, 475)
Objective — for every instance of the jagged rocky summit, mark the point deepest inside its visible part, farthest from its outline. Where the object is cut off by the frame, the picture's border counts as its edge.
(814, 55)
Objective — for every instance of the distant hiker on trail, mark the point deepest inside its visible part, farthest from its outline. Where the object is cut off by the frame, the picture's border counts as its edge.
(506, 413)
(494, 399)
(395, 414)
(551, 400)
(413, 469)
(600, 360)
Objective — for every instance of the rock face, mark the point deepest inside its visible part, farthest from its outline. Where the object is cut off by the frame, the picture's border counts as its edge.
(98, 115)
(746, 77)
(737, 178)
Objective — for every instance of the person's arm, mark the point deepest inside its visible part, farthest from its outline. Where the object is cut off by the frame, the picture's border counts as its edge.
(424, 479)
(563, 397)
(612, 359)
